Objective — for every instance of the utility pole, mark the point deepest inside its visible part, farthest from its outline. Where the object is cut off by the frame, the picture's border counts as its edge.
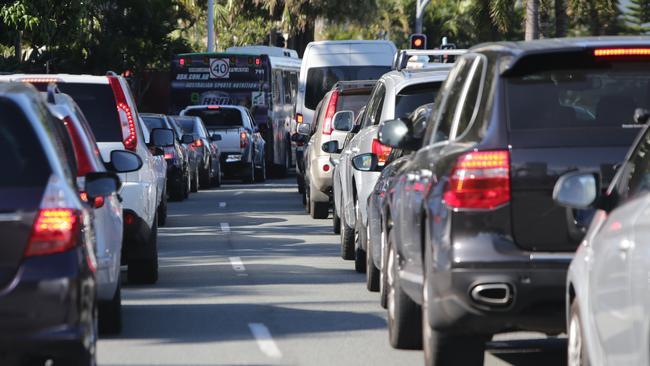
(210, 25)
(419, 14)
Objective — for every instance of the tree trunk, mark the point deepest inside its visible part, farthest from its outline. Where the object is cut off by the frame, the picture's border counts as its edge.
(18, 47)
(532, 19)
(561, 18)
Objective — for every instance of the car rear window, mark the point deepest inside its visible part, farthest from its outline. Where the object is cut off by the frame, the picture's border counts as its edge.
(411, 97)
(187, 125)
(603, 96)
(21, 153)
(215, 118)
(321, 79)
(98, 105)
(154, 122)
(352, 102)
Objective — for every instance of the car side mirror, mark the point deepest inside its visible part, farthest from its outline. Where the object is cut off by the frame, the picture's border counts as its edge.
(215, 137)
(331, 147)
(366, 162)
(101, 184)
(343, 121)
(396, 133)
(576, 190)
(641, 116)
(304, 129)
(187, 139)
(123, 161)
(162, 137)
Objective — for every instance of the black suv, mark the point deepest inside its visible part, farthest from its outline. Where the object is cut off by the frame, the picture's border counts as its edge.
(473, 233)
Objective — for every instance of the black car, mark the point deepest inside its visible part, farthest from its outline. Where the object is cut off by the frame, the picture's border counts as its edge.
(178, 167)
(207, 150)
(396, 159)
(47, 262)
(187, 141)
(472, 230)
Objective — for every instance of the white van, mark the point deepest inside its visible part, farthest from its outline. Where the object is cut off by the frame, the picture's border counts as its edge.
(326, 62)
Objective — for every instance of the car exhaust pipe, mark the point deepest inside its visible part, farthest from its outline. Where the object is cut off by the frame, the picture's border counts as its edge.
(492, 294)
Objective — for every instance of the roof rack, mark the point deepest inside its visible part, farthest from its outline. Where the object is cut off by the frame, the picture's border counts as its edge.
(402, 56)
(52, 90)
(111, 73)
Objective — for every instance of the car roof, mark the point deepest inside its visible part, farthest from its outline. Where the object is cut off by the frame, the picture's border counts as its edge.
(65, 78)
(354, 85)
(202, 106)
(400, 79)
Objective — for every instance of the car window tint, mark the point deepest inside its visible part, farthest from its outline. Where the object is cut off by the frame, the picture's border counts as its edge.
(154, 122)
(413, 96)
(219, 117)
(20, 150)
(321, 79)
(469, 103)
(352, 102)
(635, 174)
(187, 125)
(373, 112)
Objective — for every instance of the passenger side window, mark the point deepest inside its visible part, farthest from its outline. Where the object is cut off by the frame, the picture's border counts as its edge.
(277, 87)
(635, 176)
(288, 87)
(375, 107)
(470, 101)
(446, 102)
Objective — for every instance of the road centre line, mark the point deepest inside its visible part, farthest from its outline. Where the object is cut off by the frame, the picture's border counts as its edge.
(237, 264)
(222, 204)
(225, 227)
(264, 340)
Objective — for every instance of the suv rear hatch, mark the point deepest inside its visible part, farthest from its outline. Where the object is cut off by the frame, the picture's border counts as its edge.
(566, 112)
(224, 121)
(21, 188)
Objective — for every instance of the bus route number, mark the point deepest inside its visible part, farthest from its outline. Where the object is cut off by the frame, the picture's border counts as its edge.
(219, 68)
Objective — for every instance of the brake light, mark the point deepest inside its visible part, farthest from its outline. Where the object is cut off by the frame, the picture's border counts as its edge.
(169, 156)
(613, 52)
(84, 165)
(126, 115)
(98, 201)
(479, 180)
(382, 151)
(40, 80)
(243, 139)
(55, 230)
(299, 118)
(329, 113)
(198, 143)
(181, 61)
(214, 107)
(258, 61)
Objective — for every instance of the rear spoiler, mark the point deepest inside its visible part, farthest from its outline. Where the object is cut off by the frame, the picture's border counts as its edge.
(402, 56)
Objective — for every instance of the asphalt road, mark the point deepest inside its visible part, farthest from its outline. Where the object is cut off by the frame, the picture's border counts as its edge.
(246, 278)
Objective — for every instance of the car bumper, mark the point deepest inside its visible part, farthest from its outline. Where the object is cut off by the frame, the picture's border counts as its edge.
(44, 309)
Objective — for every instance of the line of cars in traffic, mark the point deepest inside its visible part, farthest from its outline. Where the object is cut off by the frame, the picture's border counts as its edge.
(87, 184)
(495, 193)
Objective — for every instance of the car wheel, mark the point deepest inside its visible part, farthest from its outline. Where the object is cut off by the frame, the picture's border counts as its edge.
(87, 352)
(145, 271)
(383, 277)
(194, 186)
(205, 178)
(301, 183)
(336, 222)
(360, 240)
(260, 174)
(162, 210)
(319, 210)
(188, 185)
(576, 348)
(347, 240)
(110, 313)
(249, 173)
(404, 315)
(372, 273)
(177, 192)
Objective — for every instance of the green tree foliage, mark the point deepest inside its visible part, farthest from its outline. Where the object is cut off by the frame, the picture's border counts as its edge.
(639, 14)
(595, 17)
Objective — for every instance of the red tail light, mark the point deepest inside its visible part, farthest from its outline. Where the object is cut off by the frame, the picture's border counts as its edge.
(382, 151)
(99, 200)
(299, 118)
(169, 156)
(55, 230)
(243, 139)
(126, 115)
(198, 143)
(329, 113)
(83, 161)
(613, 52)
(480, 180)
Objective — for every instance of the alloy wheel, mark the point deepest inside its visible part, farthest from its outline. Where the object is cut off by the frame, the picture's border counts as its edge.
(574, 350)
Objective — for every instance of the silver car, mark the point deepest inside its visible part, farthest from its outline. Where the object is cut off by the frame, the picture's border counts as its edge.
(396, 94)
(608, 287)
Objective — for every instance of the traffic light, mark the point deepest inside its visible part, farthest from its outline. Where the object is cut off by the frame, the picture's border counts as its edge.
(418, 41)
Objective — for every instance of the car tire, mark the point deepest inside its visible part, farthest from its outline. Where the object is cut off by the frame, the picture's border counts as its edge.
(336, 222)
(177, 192)
(404, 315)
(188, 186)
(576, 348)
(301, 183)
(319, 210)
(204, 177)
(162, 209)
(110, 313)
(260, 174)
(347, 240)
(372, 273)
(194, 186)
(360, 241)
(145, 271)
(249, 173)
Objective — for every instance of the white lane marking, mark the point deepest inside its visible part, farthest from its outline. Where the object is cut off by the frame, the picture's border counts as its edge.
(222, 204)
(264, 340)
(237, 264)
(225, 227)
(238, 193)
(191, 265)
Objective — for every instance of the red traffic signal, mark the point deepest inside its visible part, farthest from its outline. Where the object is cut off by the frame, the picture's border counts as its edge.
(418, 41)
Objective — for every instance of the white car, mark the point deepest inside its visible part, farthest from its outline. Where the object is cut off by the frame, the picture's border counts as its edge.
(395, 95)
(110, 109)
(160, 167)
(608, 286)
